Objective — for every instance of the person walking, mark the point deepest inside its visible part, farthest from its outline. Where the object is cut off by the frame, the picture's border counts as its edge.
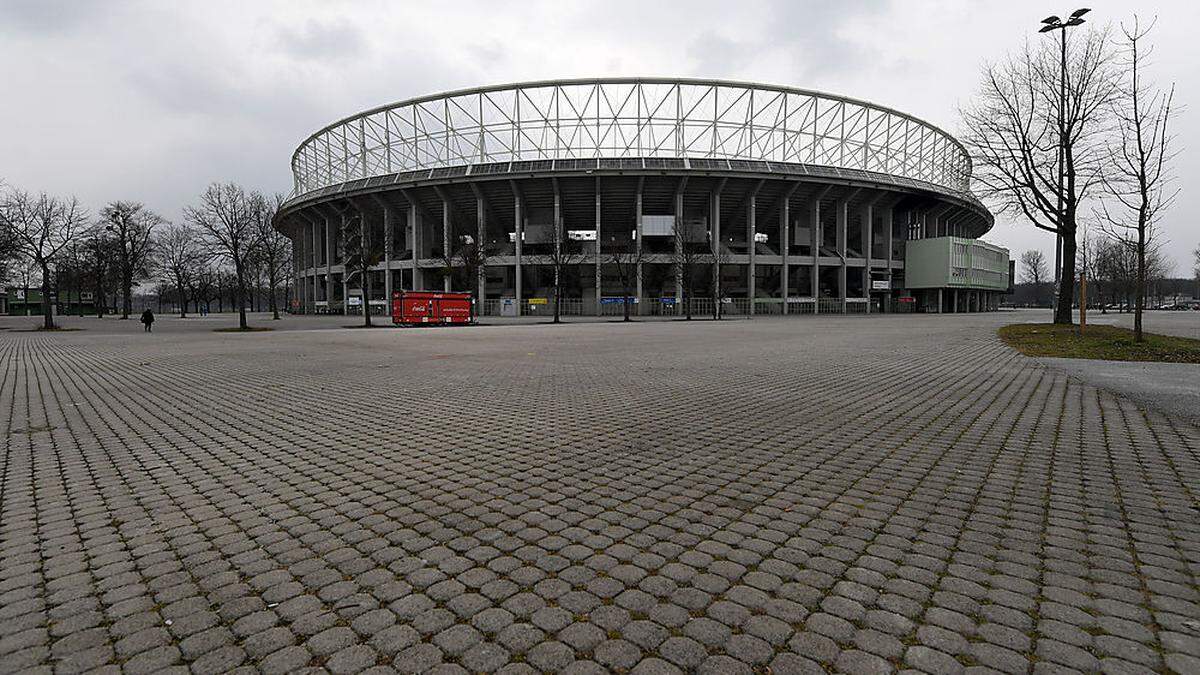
(148, 320)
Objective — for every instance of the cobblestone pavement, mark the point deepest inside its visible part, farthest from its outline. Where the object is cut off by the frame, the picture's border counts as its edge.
(852, 494)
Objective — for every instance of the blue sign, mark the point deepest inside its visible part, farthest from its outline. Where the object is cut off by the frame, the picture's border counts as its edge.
(667, 301)
(618, 301)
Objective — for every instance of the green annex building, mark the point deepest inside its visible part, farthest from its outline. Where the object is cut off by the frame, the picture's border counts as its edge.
(953, 274)
(19, 301)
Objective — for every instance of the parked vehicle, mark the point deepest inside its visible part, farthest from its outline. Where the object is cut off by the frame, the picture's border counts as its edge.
(431, 308)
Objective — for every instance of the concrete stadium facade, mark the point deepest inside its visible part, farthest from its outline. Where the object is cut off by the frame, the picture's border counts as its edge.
(765, 199)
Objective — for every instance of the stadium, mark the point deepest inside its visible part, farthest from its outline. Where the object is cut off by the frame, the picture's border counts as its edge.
(659, 193)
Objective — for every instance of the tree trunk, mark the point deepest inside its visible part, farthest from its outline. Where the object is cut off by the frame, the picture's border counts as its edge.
(240, 299)
(1066, 283)
(366, 298)
(1141, 283)
(127, 293)
(274, 283)
(47, 307)
(557, 293)
(687, 300)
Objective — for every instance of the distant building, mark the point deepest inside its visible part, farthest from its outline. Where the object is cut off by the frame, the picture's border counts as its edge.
(19, 301)
(811, 203)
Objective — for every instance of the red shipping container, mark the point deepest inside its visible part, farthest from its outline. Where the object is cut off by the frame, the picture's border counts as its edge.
(431, 308)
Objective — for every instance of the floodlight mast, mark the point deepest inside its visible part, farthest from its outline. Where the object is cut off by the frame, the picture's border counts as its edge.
(1050, 23)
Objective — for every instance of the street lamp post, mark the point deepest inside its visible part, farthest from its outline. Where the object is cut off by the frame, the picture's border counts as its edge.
(1050, 23)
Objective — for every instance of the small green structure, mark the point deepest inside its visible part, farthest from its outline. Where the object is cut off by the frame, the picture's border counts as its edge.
(20, 301)
(956, 274)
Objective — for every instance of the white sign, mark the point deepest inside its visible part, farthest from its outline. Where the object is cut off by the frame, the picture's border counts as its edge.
(881, 285)
(354, 300)
(581, 235)
(658, 226)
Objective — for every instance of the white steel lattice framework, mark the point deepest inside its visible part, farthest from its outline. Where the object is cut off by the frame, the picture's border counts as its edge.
(630, 118)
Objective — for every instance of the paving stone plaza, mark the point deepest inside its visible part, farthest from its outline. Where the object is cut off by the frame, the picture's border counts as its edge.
(856, 494)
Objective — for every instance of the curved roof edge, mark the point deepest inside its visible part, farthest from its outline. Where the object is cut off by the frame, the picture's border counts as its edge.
(815, 173)
(623, 80)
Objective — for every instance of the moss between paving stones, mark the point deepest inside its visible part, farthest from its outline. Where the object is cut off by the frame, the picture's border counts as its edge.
(1108, 343)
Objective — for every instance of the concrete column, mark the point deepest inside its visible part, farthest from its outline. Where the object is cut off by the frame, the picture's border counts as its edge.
(599, 291)
(939, 301)
(345, 286)
(678, 251)
(751, 230)
(867, 226)
(519, 233)
(313, 267)
(715, 244)
(446, 282)
(388, 226)
(843, 216)
(641, 301)
(417, 244)
(784, 236)
(297, 256)
(557, 243)
(888, 222)
(481, 231)
(329, 269)
(815, 231)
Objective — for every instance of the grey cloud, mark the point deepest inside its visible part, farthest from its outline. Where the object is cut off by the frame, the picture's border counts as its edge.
(46, 17)
(714, 54)
(323, 41)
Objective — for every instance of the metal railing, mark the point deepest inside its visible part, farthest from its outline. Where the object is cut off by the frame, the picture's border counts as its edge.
(616, 118)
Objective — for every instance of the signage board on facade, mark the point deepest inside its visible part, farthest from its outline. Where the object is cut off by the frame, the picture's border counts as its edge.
(881, 285)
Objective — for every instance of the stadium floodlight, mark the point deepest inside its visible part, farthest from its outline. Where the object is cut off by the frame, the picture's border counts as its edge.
(1051, 19)
(1080, 12)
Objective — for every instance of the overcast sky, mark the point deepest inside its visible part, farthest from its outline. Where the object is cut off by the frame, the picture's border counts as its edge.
(152, 101)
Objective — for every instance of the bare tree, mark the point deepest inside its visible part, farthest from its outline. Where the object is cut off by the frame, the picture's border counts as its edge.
(626, 257)
(275, 253)
(226, 221)
(100, 253)
(566, 254)
(9, 251)
(470, 257)
(1035, 270)
(132, 228)
(362, 252)
(1196, 268)
(43, 228)
(719, 258)
(692, 254)
(204, 286)
(180, 259)
(1138, 187)
(1036, 137)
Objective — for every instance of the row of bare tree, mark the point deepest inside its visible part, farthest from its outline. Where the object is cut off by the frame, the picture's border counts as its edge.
(228, 231)
(1110, 267)
(1072, 131)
